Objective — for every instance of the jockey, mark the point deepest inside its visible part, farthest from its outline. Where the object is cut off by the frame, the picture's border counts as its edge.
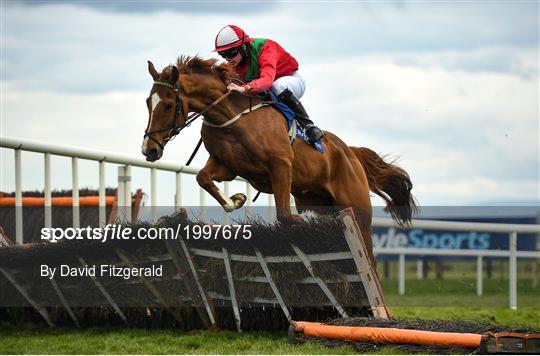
(265, 65)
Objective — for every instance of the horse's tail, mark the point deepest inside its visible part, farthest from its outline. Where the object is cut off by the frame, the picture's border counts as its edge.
(391, 183)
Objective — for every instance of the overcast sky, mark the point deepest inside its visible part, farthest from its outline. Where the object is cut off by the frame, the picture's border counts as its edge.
(451, 88)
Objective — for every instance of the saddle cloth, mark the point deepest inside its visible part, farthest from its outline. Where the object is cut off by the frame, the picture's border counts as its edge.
(291, 122)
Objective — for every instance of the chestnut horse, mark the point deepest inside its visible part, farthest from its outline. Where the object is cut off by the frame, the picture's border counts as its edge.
(256, 147)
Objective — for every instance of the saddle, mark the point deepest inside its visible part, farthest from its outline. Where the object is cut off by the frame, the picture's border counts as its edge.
(295, 131)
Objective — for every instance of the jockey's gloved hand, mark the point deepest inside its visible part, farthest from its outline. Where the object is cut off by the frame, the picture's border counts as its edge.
(235, 87)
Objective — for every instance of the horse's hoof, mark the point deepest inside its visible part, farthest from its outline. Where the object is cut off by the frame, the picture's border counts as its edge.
(239, 199)
(235, 202)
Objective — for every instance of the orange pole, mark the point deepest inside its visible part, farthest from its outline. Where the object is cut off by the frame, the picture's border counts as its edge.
(58, 201)
(388, 335)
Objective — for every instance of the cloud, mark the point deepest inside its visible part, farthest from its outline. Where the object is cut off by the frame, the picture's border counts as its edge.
(416, 26)
(85, 120)
(510, 192)
(451, 89)
(100, 51)
(442, 122)
(142, 7)
(112, 122)
(523, 61)
(90, 51)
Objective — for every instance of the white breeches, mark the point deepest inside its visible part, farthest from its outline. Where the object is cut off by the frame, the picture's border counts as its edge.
(294, 83)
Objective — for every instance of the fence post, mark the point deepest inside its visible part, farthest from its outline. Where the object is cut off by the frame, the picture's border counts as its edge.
(178, 193)
(127, 191)
(419, 269)
(479, 275)
(534, 273)
(153, 194)
(18, 198)
(75, 191)
(512, 270)
(270, 207)
(102, 206)
(47, 190)
(401, 277)
(121, 194)
(226, 192)
(202, 202)
(249, 203)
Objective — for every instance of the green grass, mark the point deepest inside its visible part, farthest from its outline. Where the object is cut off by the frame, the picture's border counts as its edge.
(136, 341)
(458, 293)
(458, 287)
(528, 317)
(139, 341)
(452, 298)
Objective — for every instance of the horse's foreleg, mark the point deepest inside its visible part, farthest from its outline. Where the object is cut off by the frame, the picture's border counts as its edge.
(214, 171)
(281, 178)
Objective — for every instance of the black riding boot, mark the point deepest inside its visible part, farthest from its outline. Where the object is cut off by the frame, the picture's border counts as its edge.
(313, 133)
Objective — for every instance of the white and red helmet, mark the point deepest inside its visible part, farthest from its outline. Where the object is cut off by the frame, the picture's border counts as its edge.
(228, 37)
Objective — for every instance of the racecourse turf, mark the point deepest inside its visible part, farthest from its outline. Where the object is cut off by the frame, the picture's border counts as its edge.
(428, 299)
(141, 341)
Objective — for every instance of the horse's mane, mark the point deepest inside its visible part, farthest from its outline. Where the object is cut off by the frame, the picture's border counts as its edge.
(210, 66)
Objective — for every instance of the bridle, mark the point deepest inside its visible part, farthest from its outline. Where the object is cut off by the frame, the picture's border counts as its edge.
(174, 129)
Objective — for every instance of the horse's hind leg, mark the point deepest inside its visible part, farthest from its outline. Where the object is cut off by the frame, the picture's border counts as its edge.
(214, 171)
(355, 193)
(281, 179)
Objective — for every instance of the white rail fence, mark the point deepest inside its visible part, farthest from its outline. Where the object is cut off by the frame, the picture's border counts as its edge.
(124, 196)
(102, 157)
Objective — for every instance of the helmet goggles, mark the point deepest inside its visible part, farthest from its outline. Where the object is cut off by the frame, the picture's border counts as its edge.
(229, 53)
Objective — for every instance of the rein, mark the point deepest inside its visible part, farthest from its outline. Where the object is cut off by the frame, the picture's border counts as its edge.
(174, 129)
(230, 121)
(225, 124)
(248, 110)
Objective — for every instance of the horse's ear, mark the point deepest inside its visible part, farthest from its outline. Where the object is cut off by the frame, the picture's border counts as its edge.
(175, 73)
(153, 71)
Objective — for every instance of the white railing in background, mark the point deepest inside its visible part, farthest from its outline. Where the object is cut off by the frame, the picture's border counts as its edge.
(124, 196)
(124, 178)
(511, 229)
